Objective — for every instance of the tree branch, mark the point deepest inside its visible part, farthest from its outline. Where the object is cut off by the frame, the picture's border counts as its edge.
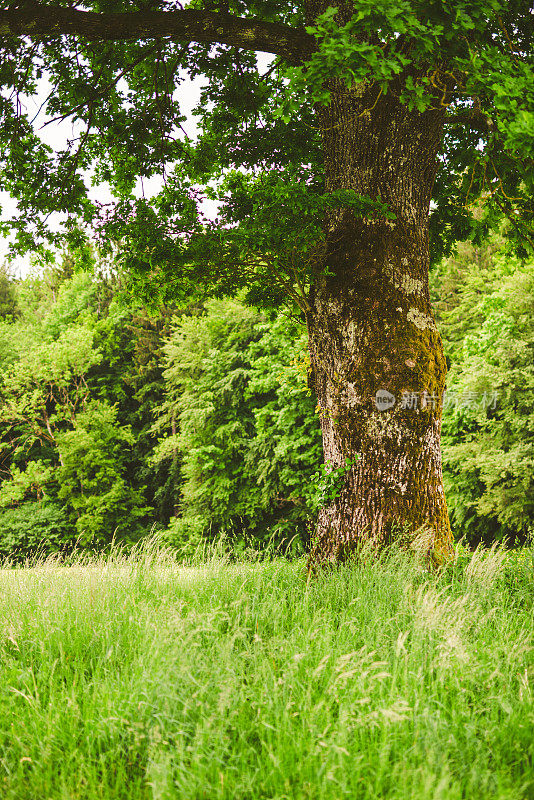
(472, 118)
(38, 21)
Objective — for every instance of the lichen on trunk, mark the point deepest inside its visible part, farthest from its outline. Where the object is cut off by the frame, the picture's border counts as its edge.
(379, 374)
(376, 355)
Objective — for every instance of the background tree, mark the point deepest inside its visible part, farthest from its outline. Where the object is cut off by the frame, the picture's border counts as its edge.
(386, 106)
(93, 476)
(486, 314)
(8, 303)
(245, 428)
(72, 440)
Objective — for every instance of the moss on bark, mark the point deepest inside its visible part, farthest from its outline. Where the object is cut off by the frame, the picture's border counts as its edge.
(371, 330)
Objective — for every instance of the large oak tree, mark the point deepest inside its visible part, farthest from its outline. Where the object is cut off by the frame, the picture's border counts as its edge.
(342, 166)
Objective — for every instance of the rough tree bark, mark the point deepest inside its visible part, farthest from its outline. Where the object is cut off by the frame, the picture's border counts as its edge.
(376, 356)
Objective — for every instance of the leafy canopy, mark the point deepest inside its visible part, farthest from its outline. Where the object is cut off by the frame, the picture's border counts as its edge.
(259, 145)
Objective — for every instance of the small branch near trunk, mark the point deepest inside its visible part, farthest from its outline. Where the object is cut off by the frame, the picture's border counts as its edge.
(473, 118)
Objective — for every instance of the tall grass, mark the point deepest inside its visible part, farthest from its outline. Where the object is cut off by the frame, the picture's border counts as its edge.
(134, 677)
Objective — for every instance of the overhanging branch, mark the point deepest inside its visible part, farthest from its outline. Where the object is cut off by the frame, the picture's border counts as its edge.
(39, 21)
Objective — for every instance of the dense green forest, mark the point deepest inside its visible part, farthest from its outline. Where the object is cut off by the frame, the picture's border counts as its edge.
(118, 419)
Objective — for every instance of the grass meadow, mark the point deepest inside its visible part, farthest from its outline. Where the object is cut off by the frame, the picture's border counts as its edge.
(135, 677)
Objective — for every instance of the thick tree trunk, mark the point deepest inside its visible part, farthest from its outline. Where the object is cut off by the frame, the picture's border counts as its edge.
(376, 356)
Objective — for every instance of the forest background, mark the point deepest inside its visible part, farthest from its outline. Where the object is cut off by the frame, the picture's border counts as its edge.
(118, 419)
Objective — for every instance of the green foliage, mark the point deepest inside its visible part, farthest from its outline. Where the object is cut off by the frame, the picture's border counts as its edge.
(291, 251)
(474, 58)
(93, 457)
(344, 54)
(135, 677)
(34, 529)
(248, 434)
(329, 482)
(168, 252)
(42, 390)
(71, 382)
(487, 319)
(371, 48)
(8, 301)
(32, 480)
